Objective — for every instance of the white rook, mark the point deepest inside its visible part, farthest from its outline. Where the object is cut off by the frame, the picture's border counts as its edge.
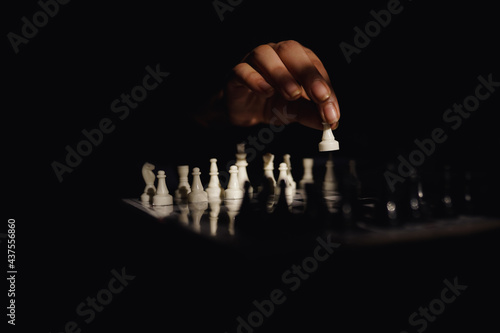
(184, 187)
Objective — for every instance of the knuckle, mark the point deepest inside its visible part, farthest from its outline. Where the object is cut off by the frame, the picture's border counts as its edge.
(238, 68)
(260, 51)
(252, 77)
(272, 45)
(287, 45)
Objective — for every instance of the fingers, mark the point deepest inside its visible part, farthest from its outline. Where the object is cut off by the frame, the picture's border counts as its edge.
(248, 76)
(298, 63)
(267, 62)
(300, 111)
(293, 70)
(333, 98)
(304, 66)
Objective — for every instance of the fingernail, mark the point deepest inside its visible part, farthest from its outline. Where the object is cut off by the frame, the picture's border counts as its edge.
(320, 90)
(329, 113)
(292, 89)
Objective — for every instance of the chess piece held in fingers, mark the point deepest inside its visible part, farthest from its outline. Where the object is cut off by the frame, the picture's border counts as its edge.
(328, 142)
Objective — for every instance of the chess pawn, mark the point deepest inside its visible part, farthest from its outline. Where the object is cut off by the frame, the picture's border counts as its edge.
(388, 208)
(184, 188)
(328, 142)
(241, 163)
(213, 189)
(286, 159)
(468, 207)
(162, 197)
(418, 206)
(149, 178)
(283, 176)
(197, 193)
(233, 190)
(354, 175)
(447, 202)
(330, 183)
(269, 167)
(307, 178)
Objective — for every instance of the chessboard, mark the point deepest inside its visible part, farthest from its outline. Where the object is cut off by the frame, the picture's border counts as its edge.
(244, 213)
(217, 220)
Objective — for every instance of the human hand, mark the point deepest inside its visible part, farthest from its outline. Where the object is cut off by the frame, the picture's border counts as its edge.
(281, 76)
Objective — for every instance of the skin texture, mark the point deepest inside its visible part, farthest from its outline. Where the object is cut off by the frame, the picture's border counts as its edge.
(277, 76)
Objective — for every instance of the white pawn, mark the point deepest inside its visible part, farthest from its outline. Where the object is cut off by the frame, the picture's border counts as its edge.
(213, 190)
(329, 183)
(328, 142)
(162, 197)
(283, 176)
(307, 178)
(183, 189)
(269, 167)
(241, 163)
(233, 190)
(197, 193)
(286, 159)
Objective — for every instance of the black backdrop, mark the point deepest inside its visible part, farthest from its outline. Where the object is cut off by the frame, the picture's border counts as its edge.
(71, 233)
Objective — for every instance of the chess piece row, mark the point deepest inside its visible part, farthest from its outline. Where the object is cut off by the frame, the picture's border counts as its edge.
(237, 178)
(214, 191)
(194, 192)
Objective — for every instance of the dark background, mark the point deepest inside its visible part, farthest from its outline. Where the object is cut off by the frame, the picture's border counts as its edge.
(72, 233)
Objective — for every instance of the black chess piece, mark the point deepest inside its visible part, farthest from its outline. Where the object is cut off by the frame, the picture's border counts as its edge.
(316, 213)
(247, 207)
(389, 211)
(316, 207)
(265, 198)
(467, 195)
(445, 208)
(282, 221)
(252, 217)
(281, 207)
(418, 206)
(349, 208)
